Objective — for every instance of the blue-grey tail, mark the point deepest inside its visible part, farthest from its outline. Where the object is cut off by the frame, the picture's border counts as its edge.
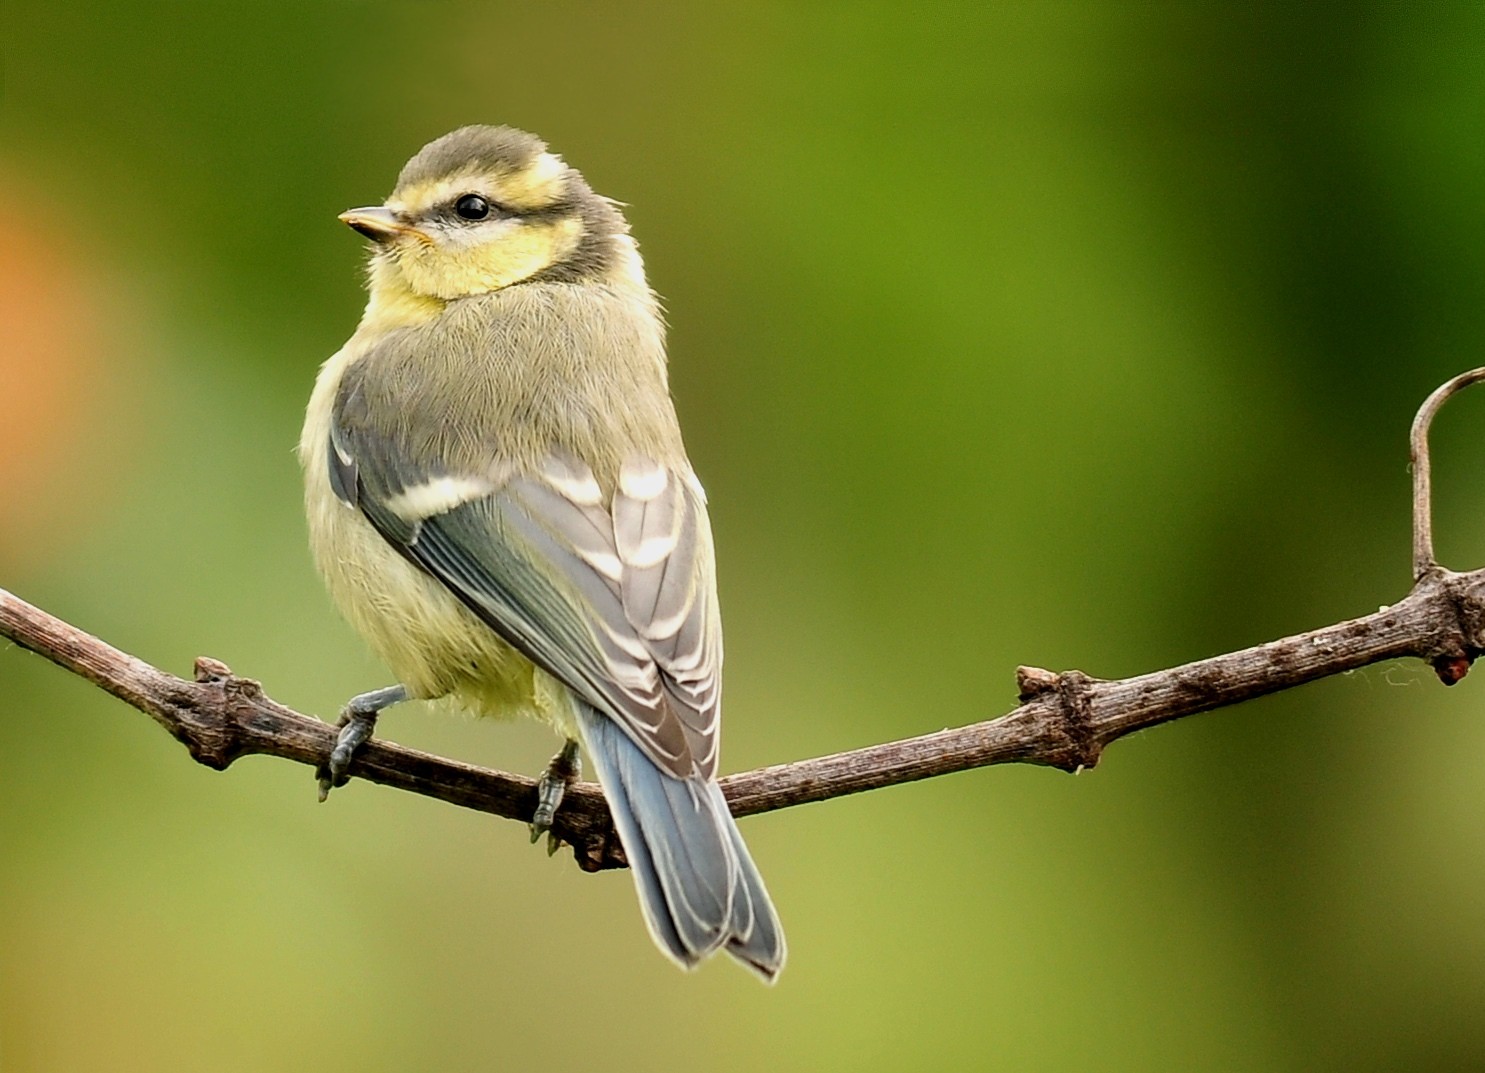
(698, 886)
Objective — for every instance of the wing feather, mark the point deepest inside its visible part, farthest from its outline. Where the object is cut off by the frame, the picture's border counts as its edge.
(617, 600)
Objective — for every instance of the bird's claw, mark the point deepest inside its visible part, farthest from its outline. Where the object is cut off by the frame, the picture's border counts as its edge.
(550, 789)
(549, 794)
(357, 722)
(355, 730)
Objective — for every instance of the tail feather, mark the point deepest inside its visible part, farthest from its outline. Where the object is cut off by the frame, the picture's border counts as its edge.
(697, 884)
(756, 939)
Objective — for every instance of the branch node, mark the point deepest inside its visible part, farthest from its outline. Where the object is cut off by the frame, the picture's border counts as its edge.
(1077, 705)
(1458, 643)
(1079, 747)
(216, 742)
(1033, 682)
(211, 670)
(1469, 604)
(247, 690)
(214, 745)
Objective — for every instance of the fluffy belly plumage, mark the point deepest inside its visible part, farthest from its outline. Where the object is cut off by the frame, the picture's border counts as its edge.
(433, 644)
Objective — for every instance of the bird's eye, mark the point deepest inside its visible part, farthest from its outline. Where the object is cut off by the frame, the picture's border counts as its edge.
(472, 207)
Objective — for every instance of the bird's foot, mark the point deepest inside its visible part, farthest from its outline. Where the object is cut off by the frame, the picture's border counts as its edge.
(562, 772)
(357, 722)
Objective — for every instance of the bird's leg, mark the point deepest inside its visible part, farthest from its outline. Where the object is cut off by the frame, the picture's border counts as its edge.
(550, 788)
(357, 721)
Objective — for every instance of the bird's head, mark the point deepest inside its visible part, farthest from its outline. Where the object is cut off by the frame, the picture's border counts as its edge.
(485, 208)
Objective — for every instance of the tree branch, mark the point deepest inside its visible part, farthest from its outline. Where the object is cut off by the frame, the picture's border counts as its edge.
(1064, 720)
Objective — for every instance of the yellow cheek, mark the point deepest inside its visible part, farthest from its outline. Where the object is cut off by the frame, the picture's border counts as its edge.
(519, 255)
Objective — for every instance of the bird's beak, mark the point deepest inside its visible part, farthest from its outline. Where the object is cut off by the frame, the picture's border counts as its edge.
(376, 222)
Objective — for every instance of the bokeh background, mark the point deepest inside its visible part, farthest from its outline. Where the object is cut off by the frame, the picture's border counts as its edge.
(1078, 335)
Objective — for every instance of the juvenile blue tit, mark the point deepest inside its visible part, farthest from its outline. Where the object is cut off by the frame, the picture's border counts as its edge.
(499, 500)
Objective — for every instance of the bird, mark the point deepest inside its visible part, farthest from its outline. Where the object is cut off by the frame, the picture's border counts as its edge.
(500, 502)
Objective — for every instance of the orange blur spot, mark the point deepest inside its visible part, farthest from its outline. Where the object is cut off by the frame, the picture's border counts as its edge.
(52, 346)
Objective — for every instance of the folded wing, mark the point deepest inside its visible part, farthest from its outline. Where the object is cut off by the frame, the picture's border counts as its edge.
(616, 599)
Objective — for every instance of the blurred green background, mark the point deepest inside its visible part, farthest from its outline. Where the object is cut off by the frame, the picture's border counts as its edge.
(1078, 335)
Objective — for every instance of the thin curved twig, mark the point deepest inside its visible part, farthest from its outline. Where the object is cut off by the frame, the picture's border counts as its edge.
(1423, 556)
